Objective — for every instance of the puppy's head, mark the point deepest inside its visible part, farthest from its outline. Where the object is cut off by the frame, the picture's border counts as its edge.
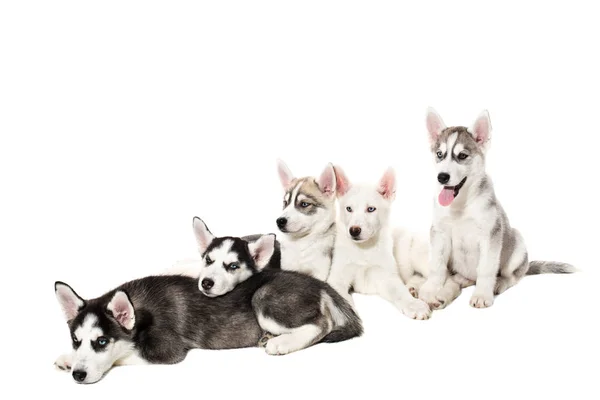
(458, 153)
(364, 209)
(229, 261)
(308, 203)
(101, 331)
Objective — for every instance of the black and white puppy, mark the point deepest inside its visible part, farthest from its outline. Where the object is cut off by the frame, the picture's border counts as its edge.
(299, 309)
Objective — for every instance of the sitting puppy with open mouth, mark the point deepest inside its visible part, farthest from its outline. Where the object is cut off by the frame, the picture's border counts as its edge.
(472, 241)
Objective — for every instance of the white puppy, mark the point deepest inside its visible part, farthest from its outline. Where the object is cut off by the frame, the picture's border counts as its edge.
(363, 259)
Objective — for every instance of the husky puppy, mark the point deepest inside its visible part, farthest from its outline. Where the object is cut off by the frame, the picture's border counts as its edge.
(363, 260)
(299, 309)
(153, 320)
(307, 222)
(191, 267)
(471, 239)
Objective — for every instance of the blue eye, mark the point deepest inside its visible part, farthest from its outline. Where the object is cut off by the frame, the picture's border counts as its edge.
(102, 341)
(233, 266)
(304, 204)
(440, 155)
(371, 209)
(349, 209)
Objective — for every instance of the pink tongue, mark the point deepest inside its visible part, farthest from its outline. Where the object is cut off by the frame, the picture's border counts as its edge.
(446, 196)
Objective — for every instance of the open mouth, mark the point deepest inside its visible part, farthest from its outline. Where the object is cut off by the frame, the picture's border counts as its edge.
(449, 193)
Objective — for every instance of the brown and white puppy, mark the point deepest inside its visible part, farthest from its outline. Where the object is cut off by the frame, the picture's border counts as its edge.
(307, 222)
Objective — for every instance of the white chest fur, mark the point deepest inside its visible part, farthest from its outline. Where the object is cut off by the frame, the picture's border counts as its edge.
(311, 255)
(464, 228)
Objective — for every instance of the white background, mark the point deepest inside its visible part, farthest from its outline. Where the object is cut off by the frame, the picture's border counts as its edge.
(120, 121)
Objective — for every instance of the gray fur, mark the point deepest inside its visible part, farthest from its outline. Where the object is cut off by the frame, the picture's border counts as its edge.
(496, 228)
(549, 267)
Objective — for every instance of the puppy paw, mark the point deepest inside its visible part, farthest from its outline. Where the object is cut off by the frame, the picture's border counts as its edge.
(280, 345)
(265, 338)
(413, 292)
(416, 309)
(481, 300)
(63, 362)
(428, 292)
(438, 303)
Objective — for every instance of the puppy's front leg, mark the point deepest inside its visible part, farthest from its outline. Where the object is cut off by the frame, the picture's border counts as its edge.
(384, 282)
(487, 272)
(439, 254)
(340, 282)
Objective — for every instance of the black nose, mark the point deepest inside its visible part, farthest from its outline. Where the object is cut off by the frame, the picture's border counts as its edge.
(79, 375)
(207, 283)
(443, 178)
(281, 222)
(355, 231)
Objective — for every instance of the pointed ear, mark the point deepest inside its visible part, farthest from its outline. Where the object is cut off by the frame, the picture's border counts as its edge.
(262, 250)
(122, 310)
(482, 128)
(203, 235)
(342, 183)
(326, 181)
(387, 184)
(435, 125)
(69, 301)
(285, 175)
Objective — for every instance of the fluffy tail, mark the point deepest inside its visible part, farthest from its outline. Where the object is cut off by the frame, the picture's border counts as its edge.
(550, 267)
(347, 323)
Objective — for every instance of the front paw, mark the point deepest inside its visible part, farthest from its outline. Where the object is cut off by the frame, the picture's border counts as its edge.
(265, 338)
(416, 309)
(482, 300)
(428, 292)
(281, 345)
(64, 362)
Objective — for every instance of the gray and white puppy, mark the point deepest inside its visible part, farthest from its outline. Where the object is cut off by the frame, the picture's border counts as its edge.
(471, 240)
(307, 222)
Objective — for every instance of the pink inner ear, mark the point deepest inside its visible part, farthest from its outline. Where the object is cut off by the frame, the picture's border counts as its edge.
(342, 185)
(326, 181)
(69, 302)
(69, 305)
(434, 125)
(202, 234)
(285, 175)
(387, 185)
(123, 318)
(481, 130)
(122, 310)
(262, 250)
